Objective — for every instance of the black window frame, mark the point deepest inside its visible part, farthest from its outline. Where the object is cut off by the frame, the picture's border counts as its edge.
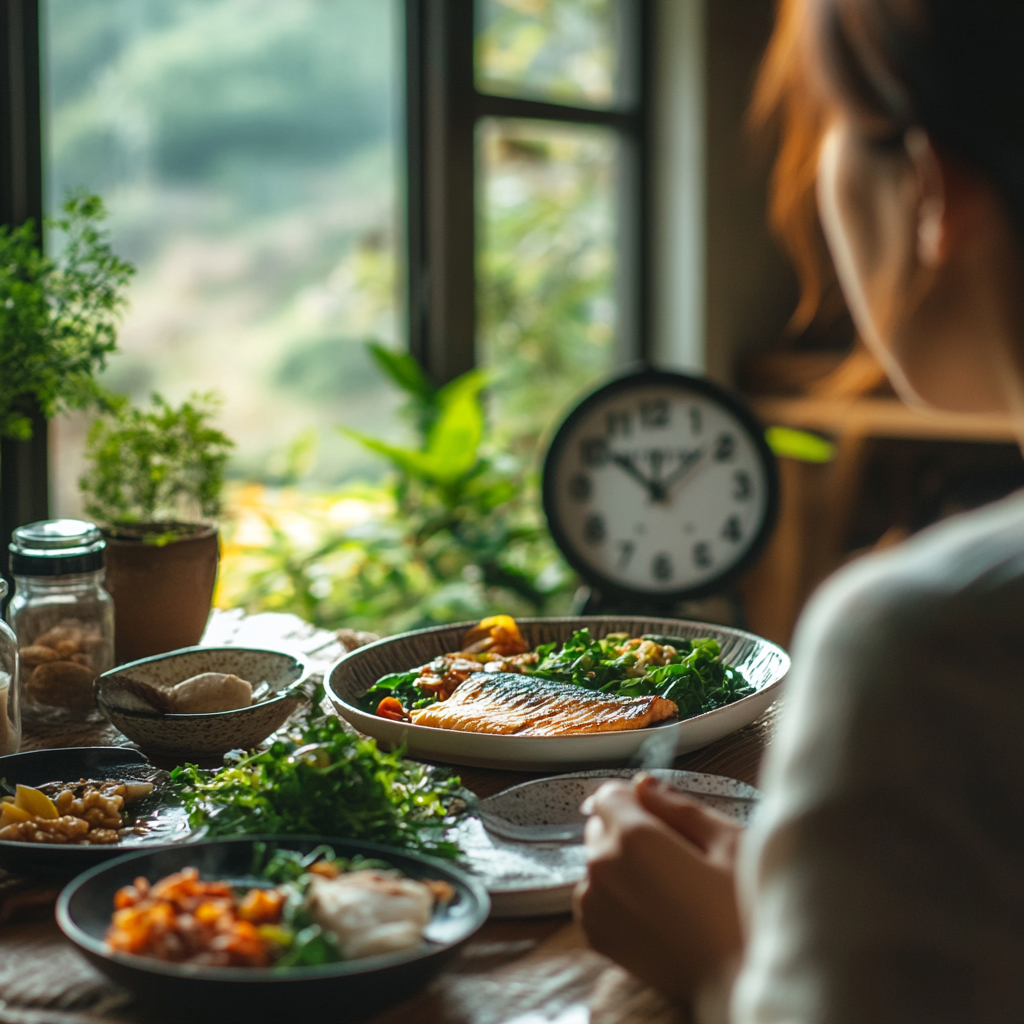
(443, 108)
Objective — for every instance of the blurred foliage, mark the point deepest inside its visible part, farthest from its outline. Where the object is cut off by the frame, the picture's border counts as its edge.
(164, 464)
(58, 317)
(454, 533)
(246, 149)
(559, 50)
(546, 270)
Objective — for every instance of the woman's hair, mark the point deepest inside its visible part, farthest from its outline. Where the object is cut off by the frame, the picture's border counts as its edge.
(954, 68)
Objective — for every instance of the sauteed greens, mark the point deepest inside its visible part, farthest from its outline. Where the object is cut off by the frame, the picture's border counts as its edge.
(689, 672)
(323, 780)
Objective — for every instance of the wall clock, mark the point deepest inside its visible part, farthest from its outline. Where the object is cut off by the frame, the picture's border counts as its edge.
(659, 487)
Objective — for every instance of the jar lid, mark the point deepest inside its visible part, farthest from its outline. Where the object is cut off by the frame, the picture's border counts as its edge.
(56, 547)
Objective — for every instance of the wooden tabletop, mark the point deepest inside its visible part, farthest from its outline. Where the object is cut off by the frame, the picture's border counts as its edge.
(534, 971)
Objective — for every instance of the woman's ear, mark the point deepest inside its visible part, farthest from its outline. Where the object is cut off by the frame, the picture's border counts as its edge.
(933, 213)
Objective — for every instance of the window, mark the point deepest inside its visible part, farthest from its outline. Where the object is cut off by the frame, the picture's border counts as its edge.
(251, 154)
(528, 149)
(246, 150)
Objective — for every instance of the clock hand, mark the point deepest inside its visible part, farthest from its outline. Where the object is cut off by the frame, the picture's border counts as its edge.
(626, 463)
(681, 471)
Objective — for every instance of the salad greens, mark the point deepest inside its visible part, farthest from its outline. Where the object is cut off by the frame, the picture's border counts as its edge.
(695, 677)
(323, 780)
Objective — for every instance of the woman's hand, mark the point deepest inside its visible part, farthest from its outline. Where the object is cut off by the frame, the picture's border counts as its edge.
(659, 897)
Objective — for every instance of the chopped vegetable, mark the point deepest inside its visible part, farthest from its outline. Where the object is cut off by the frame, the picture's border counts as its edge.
(324, 780)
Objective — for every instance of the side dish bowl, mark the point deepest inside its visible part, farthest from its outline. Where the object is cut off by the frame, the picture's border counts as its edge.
(762, 663)
(68, 764)
(205, 736)
(341, 990)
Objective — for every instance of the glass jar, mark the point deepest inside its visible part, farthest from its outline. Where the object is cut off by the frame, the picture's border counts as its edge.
(62, 617)
(10, 712)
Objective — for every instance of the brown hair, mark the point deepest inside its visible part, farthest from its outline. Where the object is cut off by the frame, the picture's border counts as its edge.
(954, 68)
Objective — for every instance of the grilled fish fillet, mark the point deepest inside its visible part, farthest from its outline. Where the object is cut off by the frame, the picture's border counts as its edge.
(510, 704)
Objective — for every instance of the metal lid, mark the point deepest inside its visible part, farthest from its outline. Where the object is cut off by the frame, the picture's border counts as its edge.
(56, 547)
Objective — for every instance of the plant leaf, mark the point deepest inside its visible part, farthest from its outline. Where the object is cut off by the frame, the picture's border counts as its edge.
(404, 370)
(799, 444)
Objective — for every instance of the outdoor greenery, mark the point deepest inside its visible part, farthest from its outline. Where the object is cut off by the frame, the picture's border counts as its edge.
(454, 533)
(58, 316)
(161, 465)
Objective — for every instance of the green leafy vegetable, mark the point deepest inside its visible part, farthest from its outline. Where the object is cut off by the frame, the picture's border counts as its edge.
(324, 781)
(400, 685)
(695, 676)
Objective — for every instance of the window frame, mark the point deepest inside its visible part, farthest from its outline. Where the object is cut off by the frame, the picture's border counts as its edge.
(443, 109)
(24, 468)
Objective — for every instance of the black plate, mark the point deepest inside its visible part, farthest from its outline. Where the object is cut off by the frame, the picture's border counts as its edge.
(342, 991)
(69, 764)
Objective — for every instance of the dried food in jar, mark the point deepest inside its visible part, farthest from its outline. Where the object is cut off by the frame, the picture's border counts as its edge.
(61, 684)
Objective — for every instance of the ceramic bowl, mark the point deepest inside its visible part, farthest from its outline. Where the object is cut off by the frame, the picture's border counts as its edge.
(336, 992)
(763, 664)
(200, 737)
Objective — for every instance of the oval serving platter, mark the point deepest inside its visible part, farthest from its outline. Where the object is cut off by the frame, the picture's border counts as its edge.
(335, 991)
(69, 764)
(762, 663)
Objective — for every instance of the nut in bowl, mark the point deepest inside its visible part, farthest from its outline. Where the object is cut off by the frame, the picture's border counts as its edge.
(200, 702)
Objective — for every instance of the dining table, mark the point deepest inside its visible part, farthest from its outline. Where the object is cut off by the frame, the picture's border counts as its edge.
(523, 971)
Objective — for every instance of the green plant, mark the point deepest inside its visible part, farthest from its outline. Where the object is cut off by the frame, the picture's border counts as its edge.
(155, 466)
(460, 535)
(58, 317)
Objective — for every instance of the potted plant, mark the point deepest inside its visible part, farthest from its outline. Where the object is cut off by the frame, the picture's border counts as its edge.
(58, 323)
(153, 483)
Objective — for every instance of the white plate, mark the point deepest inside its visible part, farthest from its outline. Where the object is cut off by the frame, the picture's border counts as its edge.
(537, 879)
(763, 664)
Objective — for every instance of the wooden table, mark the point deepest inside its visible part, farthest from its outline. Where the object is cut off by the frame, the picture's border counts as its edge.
(531, 971)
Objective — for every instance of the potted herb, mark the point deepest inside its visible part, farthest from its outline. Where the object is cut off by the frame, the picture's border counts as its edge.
(154, 482)
(58, 323)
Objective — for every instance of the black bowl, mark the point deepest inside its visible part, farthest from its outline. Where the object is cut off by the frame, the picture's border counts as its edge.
(343, 991)
(69, 764)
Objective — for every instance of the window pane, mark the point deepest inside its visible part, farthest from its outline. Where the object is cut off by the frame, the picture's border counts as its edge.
(246, 151)
(546, 266)
(562, 51)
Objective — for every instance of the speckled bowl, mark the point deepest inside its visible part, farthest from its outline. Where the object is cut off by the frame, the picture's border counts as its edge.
(198, 737)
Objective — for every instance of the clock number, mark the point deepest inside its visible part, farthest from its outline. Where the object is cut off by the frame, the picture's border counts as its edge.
(594, 452)
(694, 420)
(593, 530)
(661, 568)
(620, 423)
(626, 549)
(725, 447)
(742, 489)
(731, 530)
(580, 488)
(702, 555)
(654, 414)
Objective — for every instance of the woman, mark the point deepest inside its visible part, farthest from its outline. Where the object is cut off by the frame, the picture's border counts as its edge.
(884, 877)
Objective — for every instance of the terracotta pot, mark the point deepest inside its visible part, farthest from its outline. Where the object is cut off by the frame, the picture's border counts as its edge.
(162, 595)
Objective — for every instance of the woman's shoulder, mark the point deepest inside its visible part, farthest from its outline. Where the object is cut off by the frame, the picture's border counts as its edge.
(968, 565)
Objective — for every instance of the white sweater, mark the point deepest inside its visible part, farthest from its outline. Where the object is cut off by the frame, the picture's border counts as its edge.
(883, 880)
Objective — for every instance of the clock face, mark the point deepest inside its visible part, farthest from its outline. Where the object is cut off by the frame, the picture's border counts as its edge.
(660, 485)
